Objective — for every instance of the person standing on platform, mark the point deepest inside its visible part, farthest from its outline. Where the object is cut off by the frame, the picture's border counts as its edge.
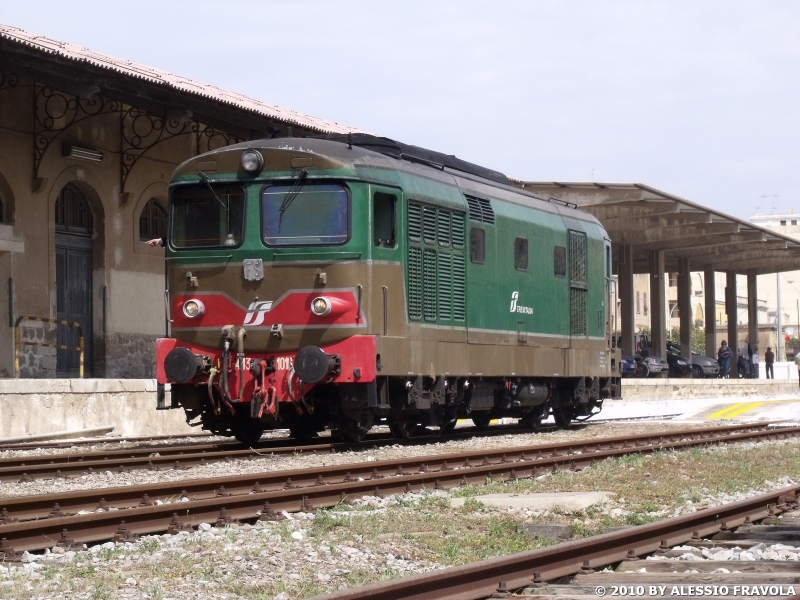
(724, 357)
(769, 361)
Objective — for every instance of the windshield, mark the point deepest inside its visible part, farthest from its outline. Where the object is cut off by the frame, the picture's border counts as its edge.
(202, 220)
(317, 214)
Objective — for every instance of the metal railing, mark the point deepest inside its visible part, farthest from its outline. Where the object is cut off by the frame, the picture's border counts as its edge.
(17, 342)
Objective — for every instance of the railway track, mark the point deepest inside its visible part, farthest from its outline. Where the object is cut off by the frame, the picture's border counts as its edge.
(38, 522)
(29, 467)
(526, 575)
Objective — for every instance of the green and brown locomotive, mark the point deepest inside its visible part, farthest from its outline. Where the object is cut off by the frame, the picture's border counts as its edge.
(342, 283)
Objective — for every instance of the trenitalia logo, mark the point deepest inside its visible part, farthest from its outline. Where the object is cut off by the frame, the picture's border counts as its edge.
(526, 310)
(256, 312)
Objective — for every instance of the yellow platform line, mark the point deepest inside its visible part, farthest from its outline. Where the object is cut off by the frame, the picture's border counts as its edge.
(734, 410)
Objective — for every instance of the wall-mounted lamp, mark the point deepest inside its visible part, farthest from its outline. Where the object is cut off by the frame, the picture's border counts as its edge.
(70, 151)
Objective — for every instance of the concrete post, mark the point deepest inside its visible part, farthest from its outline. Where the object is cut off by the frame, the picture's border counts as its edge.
(657, 321)
(709, 291)
(627, 317)
(733, 324)
(752, 317)
(685, 307)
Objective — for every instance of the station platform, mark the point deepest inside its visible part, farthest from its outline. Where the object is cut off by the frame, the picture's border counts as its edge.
(707, 399)
(42, 406)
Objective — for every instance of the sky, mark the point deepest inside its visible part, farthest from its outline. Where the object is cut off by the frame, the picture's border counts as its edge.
(698, 98)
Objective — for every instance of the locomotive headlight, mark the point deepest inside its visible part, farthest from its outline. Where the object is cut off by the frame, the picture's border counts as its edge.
(193, 308)
(252, 160)
(320, 306)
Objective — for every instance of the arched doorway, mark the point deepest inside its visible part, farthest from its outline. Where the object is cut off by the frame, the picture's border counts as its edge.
(74, 223)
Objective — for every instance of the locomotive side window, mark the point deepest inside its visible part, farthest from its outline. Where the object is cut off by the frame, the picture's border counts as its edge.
(310, 215)
(205, 219)
(560, 261)
(477, 245)
(521, 254)
(383, 215)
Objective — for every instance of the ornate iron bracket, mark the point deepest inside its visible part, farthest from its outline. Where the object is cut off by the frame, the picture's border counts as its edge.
(141, 132)
(55, 111)
(8, 80)
(209, 139)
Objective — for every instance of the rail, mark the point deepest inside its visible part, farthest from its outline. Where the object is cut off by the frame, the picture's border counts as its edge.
(17, 342)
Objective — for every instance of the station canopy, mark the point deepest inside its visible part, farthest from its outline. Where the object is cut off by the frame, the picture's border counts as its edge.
(652, 220)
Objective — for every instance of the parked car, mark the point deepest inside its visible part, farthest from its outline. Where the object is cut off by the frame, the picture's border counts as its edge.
(647, 365)
(627, 366)
(702, 366)
(656, 366)
(679, 366)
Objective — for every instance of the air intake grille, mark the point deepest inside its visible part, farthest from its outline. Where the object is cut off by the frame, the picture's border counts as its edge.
(578, 292)
(415, 283)
(577, 311)
(436, 264)
(480, 209)
(414, 222)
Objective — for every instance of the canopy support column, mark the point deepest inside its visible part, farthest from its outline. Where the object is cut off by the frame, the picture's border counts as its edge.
(710, 285)
(625, 273)
(752, 315)
(685, 308)
(733, 324)
(657, 320)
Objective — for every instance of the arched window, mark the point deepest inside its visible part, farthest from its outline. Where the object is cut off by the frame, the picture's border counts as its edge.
(72, 212)
(152, 221)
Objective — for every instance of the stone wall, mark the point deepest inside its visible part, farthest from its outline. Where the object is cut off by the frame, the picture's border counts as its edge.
(130, 356)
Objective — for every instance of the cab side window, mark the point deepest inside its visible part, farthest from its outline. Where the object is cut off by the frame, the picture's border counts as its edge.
(560, 261)
(521, 254)
(477, 245)
(384, 221)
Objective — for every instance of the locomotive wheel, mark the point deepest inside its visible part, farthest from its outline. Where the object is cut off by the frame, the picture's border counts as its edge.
(563, 415)
(247, 431)
(448, 426)
(402, 430)
(481, 420)
(533, 418)
(355, 430)
(303, 430)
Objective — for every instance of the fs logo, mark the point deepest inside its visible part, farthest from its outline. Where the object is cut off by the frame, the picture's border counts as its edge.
(526, 310)
(256, 312)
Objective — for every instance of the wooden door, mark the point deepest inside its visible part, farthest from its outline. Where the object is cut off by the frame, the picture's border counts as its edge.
(73, 280)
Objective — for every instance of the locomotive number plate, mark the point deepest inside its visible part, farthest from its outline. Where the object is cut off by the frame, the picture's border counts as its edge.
(253, 269)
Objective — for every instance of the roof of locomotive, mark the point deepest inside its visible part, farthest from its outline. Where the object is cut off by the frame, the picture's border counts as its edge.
(364, 151)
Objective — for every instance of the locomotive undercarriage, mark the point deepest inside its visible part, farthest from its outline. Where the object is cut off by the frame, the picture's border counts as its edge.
(408, 405)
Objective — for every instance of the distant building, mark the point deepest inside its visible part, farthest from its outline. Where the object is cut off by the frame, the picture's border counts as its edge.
(789, 282)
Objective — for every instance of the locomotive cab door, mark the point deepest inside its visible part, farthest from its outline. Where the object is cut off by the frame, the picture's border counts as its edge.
(386, 251)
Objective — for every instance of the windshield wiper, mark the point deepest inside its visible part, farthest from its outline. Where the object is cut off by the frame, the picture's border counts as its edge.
(291, 195)
(204, 177)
